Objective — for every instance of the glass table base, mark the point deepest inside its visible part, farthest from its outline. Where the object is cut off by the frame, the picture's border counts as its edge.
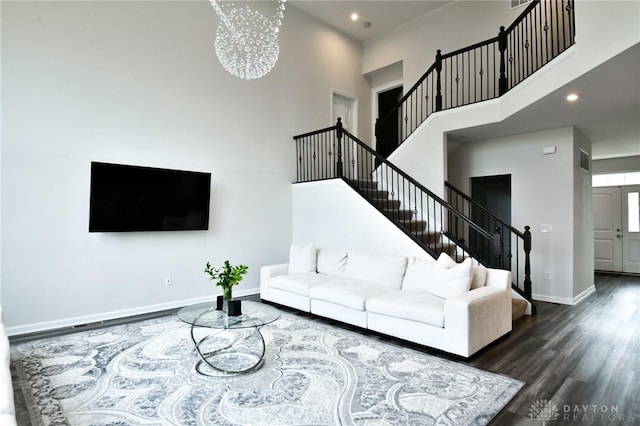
(228, 351)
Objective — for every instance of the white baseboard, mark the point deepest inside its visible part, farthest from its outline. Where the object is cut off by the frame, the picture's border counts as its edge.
(106, 316)
(565, 300)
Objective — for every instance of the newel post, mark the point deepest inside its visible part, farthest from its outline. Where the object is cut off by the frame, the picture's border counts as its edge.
(527, 261)
(339, 168)
(502, 47)
(438, 81)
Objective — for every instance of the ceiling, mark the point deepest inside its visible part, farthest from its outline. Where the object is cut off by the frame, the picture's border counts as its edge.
(382, 15)
(607, 113)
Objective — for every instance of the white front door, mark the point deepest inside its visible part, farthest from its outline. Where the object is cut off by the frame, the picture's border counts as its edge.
(607, 229)
(631, 228)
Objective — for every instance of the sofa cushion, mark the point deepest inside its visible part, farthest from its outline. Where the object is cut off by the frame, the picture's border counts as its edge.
(347, 292)
(419, 274)
(449, 282)
(331, 261)
(302, 259)
(376, 268)
(298, 283)
(417, 306)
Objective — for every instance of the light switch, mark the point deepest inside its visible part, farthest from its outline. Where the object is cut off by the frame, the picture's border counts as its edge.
(546, 227)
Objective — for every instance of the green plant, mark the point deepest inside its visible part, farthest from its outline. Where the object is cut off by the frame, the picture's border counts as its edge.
(227, 276)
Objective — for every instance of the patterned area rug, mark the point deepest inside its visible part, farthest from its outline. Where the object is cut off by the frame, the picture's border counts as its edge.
(144, 374)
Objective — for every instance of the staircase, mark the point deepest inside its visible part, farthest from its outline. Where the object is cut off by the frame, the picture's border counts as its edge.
(405, 219)
(518, 309)
(483, 71)
(431, 222)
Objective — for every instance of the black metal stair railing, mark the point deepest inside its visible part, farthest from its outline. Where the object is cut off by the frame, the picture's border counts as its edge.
(430, 221)
(507, 240)
(485, 70)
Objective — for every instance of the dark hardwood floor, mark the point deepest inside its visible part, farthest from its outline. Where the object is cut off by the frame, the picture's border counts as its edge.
(582, 361)
(585, 359)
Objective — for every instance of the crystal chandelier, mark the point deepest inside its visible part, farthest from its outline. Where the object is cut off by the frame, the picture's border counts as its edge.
(247, 43)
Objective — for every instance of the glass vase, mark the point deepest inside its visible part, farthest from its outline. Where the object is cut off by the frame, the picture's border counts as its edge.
(226, 295)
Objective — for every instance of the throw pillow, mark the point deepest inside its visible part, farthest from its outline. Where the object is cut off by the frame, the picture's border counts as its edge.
(479, 273)
(419, 274)
(302, 260)
(445, 261)
(479, 276)
(453, 281)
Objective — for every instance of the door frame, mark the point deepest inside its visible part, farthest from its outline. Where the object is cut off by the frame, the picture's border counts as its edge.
(354, 108)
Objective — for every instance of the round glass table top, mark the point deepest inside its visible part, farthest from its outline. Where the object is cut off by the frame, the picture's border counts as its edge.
(254, 314)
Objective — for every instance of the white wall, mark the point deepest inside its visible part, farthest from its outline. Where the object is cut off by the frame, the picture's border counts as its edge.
(545, 190)
(616, 165)
(139, 83)
(457, 25)
(331, 214)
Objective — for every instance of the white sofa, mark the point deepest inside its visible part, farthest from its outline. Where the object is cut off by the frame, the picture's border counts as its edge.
(455, 307)
(7, 409)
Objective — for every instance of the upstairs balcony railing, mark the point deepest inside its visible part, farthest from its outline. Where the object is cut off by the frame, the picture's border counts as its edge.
(485, 70)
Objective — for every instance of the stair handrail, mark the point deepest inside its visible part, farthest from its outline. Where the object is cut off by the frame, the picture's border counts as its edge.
(417, 184)
(525, 236)
(475, 204)
(508, 71)
(336, 133)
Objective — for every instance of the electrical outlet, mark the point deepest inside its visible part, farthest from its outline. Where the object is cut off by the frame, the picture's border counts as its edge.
(547, 275)
(168, 281)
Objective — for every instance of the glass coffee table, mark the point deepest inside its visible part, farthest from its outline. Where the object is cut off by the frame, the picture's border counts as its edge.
(228, 344)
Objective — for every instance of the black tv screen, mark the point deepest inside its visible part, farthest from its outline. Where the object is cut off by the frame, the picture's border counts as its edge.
(132, 198)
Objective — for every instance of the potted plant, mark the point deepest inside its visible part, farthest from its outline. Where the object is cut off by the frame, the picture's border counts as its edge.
(226, 277)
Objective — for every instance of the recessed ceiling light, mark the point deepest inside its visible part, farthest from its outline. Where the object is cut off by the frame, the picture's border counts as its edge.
(354, 16)
(572, 97)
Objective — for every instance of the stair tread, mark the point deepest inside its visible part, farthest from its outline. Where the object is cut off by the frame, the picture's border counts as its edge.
(518, 309)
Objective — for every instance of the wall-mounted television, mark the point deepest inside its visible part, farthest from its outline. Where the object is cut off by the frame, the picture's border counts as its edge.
(128, 198)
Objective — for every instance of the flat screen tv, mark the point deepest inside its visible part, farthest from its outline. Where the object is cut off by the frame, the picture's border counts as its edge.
(131, 198)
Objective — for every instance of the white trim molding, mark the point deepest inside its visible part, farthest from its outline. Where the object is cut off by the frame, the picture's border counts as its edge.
(565, 300)
(106, 316)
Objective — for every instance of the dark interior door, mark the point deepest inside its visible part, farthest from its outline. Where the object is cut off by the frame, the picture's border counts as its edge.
(387, 137)
(494, 194)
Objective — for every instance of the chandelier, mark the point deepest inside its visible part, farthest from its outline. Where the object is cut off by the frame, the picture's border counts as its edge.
(247, 43)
